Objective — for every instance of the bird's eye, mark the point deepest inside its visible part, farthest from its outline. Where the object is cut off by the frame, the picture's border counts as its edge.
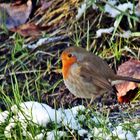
(69, 55)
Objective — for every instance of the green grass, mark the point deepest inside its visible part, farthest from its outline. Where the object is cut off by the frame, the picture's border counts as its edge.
(33, 75)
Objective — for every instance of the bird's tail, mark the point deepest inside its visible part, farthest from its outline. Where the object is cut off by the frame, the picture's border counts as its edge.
(120, 79)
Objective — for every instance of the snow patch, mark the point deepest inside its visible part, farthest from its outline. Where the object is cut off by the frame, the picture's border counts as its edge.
(81, 10)
(123, 134)
(115, 10)
(3, 116)
(105, 30)
(41, 114)
(68, 117)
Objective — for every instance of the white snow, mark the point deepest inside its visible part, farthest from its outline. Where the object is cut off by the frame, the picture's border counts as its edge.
(52, 135)
(34, 111)
(137, 126)
(86, 4)
(82, 132)
(111, 7)
(40, 136)
(94, 6)
(115, 10)
(68, 117)
(8, 129)
(3, 116)
(125, 34)
(41, 114)
(105, 30)
(81, 10)
(39, 43)
(123, 134)
(43, 41)
(138, 135)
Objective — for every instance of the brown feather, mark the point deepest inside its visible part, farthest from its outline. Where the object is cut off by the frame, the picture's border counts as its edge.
(95, 78)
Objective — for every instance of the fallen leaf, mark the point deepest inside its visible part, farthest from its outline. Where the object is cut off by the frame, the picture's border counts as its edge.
(17, 2)
(28, 29)
(127, 90)
(13, 15)
(137, 9)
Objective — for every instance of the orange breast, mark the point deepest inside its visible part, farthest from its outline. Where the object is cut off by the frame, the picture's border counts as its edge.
(66, 68)
(66, 64)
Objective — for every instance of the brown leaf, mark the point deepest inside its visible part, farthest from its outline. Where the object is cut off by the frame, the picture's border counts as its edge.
(13, 15)
(17, 2)
(28, 29)
(130, 68)
(137, 9)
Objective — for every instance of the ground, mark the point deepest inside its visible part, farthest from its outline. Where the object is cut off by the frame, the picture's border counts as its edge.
(34, 74)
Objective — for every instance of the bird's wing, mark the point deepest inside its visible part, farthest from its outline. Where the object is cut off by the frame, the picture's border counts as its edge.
(98, 65)
(91, 75)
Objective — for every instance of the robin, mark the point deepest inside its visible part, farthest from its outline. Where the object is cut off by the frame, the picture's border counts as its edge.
(87, 75)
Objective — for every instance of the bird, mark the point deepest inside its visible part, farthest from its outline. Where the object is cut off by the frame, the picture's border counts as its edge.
(88, 76)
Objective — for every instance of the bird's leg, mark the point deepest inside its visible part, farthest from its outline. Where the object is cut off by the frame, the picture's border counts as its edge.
(96, 99)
